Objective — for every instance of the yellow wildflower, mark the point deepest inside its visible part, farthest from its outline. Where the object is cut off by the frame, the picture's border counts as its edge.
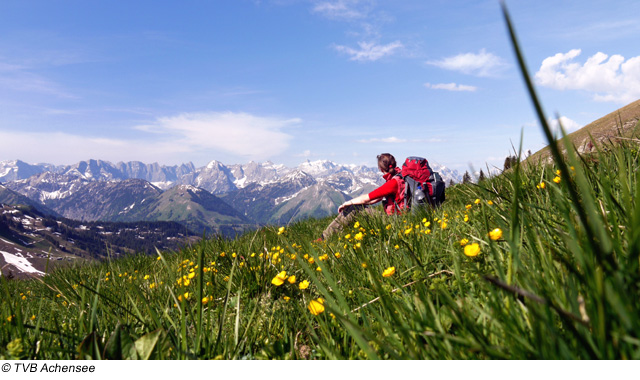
(389, 272)
(319, 269)
(496, 234)
(464, 242)
(356, 225)
(292, 279)
(316, 307)
(280, 278)
(472, 250)
(364, 265)
(358, 236)
(33, 318)
(490, 203)
(477, 201)
(303, 285)
(286, 298)
(557, 179)
(280, 230)
(468, 206)
(337, 255)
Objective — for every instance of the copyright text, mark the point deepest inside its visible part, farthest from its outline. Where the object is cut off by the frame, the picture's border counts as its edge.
(47, 368)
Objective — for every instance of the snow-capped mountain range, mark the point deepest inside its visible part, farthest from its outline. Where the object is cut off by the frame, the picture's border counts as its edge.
(215, 177)
(218, 197)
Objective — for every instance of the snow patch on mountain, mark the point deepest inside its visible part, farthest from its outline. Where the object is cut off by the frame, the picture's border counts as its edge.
(20, 263)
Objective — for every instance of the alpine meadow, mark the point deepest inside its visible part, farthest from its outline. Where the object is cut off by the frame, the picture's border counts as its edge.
(539, 262)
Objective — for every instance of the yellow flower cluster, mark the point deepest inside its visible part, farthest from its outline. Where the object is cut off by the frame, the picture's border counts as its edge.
(280, 278)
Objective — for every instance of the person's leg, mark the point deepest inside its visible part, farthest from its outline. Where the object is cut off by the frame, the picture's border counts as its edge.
(344, 218)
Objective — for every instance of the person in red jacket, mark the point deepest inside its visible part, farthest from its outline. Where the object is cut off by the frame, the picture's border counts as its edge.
(390, 194)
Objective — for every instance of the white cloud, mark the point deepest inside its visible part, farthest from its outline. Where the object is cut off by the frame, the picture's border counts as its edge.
(241, 134)
(568, 125)
(388, 140)
(64, 148)
(171, 139)
(451, 87)
(396, 140)
(369, 51)
(342, 9)
(609, 79)
(482, 64)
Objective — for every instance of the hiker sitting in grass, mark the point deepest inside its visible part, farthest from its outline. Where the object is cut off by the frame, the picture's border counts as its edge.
(388, 193)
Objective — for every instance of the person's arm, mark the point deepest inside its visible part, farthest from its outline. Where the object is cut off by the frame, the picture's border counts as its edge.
(359, 200)
(390, 187)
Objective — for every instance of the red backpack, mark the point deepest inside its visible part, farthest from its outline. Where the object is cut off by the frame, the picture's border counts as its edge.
(418, 184)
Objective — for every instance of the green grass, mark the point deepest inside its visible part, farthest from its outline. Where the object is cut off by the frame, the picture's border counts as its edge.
(561, 282)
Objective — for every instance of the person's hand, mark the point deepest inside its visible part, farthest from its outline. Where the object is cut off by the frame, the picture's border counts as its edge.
(343, 206)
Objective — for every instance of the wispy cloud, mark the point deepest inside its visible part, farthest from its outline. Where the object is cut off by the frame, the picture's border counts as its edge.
(20, 78)
(396, 140)
(254, 137)
(178, 138)
(370, 51)
(342, 9)
(608, 78)
(451, 87)
(483, 64)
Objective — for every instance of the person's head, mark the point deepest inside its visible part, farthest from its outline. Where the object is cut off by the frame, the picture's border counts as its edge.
(386, 162)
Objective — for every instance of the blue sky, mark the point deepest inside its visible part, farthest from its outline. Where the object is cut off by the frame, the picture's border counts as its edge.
(290, 80)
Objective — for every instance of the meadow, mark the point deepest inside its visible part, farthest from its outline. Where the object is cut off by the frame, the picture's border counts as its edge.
(540, 262)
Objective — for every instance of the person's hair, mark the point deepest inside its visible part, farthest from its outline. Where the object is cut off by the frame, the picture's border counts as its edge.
(386, 162)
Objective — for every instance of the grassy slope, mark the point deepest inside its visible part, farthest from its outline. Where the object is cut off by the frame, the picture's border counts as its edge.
(622, 123)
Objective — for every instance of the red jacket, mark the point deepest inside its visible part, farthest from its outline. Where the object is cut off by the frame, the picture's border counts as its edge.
(392, 192)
